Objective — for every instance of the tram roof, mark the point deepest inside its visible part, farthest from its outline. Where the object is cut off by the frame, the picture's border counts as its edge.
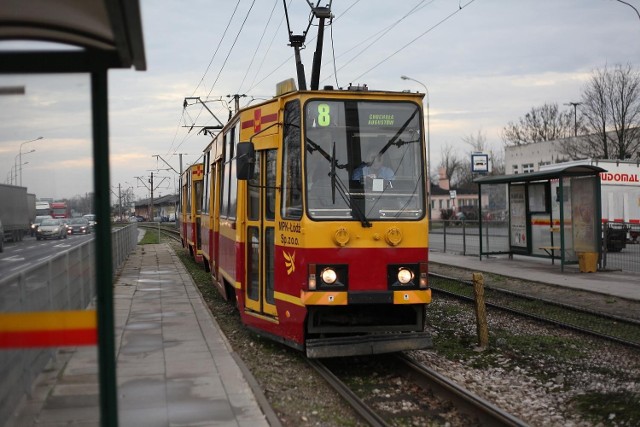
(89, 35)
(560, 172)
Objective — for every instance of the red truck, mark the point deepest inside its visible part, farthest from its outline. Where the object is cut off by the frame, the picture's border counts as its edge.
(60, 210)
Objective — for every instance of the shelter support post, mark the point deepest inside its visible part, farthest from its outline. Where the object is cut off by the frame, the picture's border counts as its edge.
(104, 265)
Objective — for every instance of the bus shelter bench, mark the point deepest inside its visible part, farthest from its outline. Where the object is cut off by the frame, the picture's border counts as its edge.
(550, 250)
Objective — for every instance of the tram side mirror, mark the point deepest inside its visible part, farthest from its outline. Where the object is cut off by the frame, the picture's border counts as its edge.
(246, 159)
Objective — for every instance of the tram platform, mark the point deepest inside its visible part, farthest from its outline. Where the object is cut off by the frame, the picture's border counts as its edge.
(174, 365)
(615, 283)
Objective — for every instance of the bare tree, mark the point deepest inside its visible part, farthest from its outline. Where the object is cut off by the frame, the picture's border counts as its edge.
(611, 111)
(80, 204)
(544, 123)
(497, 162)
(450, 162)
(477, 142)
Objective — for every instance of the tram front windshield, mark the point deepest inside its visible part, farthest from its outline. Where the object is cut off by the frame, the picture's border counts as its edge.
(364, 160)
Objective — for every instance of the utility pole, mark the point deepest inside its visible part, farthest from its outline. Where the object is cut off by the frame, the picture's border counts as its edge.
(236, 101)
(151, 205)
(151, 187)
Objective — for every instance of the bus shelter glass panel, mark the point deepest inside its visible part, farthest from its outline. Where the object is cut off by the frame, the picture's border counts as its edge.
(583, 202)
(47, 256)
(544, 238)
(495, 218)
(561, 195)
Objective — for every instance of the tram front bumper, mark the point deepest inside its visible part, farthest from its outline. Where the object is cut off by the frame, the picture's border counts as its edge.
(360, 345)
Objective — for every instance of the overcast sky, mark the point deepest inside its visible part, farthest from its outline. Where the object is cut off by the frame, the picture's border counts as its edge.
(485, 63)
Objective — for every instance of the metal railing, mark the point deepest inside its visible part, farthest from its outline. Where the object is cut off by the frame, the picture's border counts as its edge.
(621, 246)
(620, 242)
(66, 281)
(463, 237)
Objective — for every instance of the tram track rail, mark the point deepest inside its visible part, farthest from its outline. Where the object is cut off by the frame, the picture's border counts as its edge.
(623, 331)
(367, 413)
(486, 412)
(431, 382)
(169, 232)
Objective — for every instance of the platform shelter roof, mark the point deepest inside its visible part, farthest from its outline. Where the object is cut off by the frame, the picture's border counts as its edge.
(565, 171)
(98, 35)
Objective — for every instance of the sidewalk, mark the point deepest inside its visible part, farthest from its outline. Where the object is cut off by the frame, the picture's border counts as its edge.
(174, 365)
(615, 283)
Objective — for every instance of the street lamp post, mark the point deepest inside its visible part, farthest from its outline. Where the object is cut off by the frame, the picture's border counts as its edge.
(20, 154)
(428, 146)
(21, 164)
(14, 172)
(575, 116)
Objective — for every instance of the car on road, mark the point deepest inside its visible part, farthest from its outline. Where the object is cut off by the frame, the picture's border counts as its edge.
(51, 228)
(78, 226)
(36, 223)
(92, 219)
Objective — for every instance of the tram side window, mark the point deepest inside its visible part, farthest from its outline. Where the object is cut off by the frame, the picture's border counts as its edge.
(226, 176)
(291, 165)
(188, 193)
(270, 206)
(198, 194)
(253, 201)
(233, 182)
(205, 194)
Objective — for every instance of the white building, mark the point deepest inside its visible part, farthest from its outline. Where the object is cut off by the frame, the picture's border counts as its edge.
(529, 157)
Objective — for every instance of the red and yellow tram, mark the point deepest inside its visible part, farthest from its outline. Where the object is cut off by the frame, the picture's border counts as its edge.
(314, 219)
(191, 194)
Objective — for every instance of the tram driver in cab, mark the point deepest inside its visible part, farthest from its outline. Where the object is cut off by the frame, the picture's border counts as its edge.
(373, 169)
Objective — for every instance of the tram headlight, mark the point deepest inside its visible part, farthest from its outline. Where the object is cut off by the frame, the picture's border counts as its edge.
(329, 276)
(405, 276)
(325, 277)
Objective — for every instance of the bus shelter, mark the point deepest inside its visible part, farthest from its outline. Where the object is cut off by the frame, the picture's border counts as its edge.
(553, 214)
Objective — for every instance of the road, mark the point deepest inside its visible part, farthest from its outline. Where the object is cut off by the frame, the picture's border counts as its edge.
(20, 255)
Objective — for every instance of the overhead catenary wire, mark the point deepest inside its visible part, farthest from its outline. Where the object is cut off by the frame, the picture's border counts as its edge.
(224, 62)
(255, 52)
(266, 53)
(377, 36)
(461, 7)
(349, 9)
(224, 34)
(235, 40)
(203, 77)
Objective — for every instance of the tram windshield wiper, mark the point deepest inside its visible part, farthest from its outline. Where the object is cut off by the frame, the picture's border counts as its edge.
(337, 183)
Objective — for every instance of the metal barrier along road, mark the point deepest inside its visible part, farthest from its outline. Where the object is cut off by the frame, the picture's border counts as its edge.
(38, 296)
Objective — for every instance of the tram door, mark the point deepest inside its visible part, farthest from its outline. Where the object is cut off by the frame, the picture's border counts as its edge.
(261, 205)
